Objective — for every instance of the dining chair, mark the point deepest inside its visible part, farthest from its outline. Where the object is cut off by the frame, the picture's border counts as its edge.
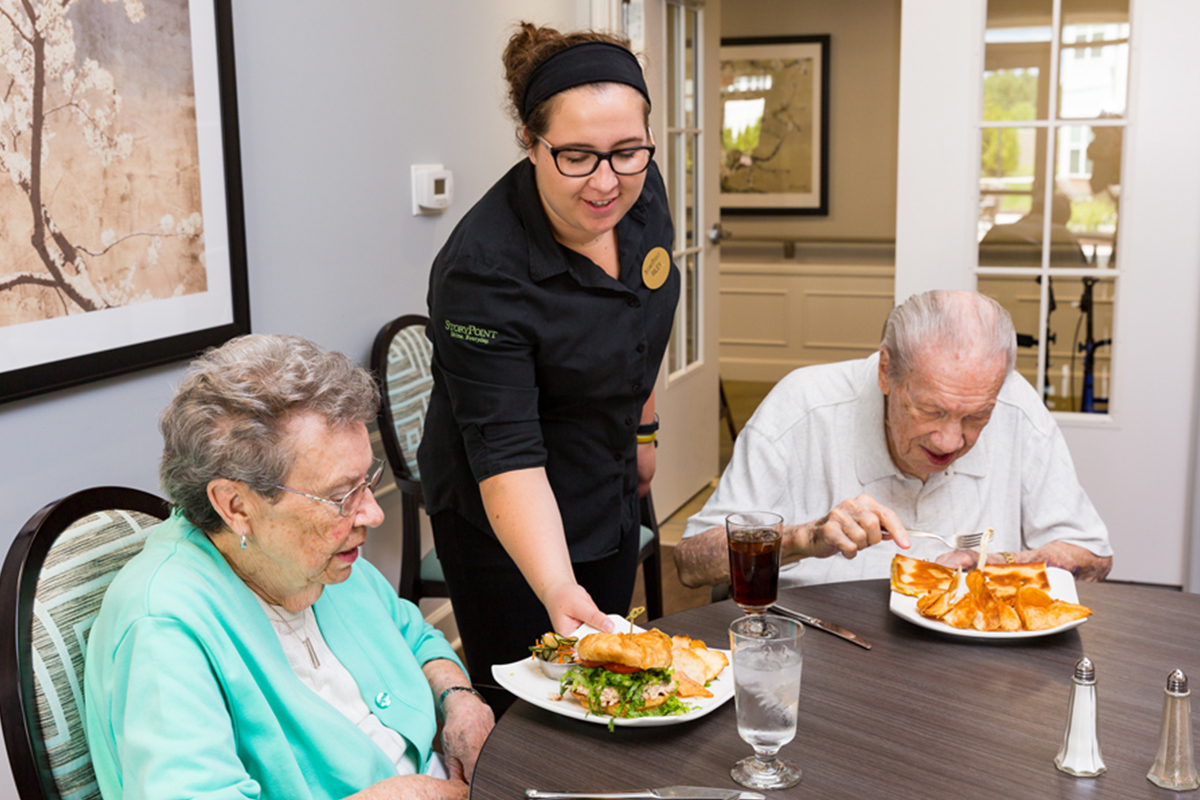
(650, 557)
(401, 358)
(53, 579)
(726, 413)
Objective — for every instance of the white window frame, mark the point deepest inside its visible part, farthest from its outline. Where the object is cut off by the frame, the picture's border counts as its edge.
(676, 176)
(1053, 124)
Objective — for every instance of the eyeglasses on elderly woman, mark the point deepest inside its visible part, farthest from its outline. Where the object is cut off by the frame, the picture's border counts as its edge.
(349, 503)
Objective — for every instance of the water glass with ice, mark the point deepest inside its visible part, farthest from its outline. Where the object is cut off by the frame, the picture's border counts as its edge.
(767, 659)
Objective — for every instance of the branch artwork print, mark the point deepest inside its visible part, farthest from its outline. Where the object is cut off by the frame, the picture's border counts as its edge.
(97, 138)
(767, 136)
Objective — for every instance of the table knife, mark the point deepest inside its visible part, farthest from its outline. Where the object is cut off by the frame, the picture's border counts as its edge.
(828, 627)
(671, 792)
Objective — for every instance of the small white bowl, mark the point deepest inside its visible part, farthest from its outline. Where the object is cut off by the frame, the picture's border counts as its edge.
(555, 671)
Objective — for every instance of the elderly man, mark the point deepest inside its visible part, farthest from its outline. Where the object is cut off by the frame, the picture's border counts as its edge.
(935, 432)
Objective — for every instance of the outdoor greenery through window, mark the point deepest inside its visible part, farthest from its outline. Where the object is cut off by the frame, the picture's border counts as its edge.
(1055, 85)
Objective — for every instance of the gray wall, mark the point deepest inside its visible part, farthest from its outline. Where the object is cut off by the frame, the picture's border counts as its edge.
(336, 101)
(864, 101)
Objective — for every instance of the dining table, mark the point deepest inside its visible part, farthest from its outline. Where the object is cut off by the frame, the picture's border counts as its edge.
(923, 714)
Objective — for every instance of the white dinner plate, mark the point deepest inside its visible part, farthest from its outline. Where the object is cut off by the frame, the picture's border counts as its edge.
(525, 679)
(1062, 587)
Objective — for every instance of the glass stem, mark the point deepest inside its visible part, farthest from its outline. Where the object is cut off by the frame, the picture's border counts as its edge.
(767, 757)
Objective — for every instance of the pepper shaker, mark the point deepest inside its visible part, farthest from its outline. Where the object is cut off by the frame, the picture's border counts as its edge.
(1175, 766)
(1080, 751)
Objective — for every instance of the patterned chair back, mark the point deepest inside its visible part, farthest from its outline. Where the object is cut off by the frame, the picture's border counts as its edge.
(70, 584)
(407, 385)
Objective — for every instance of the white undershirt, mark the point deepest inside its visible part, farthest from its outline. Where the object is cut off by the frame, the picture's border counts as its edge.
(334, 684)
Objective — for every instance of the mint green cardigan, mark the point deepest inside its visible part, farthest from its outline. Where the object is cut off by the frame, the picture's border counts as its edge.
(188, 692)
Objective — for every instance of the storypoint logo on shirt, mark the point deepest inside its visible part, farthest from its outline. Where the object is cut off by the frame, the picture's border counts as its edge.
(470, 333)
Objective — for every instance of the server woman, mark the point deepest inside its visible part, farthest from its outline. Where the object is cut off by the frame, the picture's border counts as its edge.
(550, 309)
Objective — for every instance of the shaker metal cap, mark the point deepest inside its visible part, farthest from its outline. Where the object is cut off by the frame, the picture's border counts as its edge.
(1177, 682)
(1085, 671)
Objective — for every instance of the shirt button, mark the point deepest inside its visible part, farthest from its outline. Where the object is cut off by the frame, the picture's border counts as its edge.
(629, 422)
(641, 348)
(634, 302)
(383, 699)
(617, 456)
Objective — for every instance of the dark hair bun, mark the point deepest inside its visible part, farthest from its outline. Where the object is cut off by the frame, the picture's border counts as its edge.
(529, 46)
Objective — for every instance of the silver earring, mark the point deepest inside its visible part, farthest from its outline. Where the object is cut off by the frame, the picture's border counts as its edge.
(243, 541)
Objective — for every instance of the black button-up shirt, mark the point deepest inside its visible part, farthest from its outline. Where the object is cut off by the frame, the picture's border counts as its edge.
(541, 359)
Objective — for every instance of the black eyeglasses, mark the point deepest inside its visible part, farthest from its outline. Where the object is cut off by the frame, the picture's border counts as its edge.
(348, 504)
(575, 162)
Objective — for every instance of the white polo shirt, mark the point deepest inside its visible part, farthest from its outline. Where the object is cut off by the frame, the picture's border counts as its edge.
(818, 439)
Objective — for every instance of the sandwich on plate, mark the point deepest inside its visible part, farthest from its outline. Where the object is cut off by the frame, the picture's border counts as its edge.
(626, 675)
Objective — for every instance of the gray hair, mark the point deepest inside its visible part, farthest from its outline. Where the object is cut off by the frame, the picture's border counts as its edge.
(955, 322)
(227, 417)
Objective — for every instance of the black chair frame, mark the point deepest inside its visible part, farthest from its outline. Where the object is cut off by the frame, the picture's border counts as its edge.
(410, 587)
(650, 558)
(19, 579)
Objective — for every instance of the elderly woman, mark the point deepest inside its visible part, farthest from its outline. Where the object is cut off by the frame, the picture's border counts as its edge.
(247, 652)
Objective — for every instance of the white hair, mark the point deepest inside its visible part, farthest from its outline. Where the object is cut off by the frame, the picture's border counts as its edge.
(228, 416)
(948, 322)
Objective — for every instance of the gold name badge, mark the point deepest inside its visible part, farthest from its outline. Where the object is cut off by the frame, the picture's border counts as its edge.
(655, 268)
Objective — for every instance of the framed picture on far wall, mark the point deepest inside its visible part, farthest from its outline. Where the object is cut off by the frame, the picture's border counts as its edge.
(775, 125)
(123, 243)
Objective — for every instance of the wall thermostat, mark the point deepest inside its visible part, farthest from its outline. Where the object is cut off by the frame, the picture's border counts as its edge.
(432, 187)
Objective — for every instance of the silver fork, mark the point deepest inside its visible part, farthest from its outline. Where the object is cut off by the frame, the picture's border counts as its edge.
(962, 541)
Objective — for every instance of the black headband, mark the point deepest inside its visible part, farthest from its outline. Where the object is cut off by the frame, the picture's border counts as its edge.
(588, 62)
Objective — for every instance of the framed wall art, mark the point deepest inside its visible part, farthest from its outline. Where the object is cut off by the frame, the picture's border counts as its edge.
(122, 243)
(775, 125)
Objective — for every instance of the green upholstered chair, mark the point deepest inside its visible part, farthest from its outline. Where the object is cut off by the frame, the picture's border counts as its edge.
(51, 585)
(401, 357)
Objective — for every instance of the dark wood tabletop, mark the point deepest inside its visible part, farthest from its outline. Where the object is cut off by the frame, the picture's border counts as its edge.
(922, 715)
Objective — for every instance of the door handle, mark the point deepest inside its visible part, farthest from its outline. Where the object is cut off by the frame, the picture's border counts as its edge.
(716, 233)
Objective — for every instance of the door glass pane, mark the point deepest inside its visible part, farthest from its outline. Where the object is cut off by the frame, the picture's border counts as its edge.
(1020, 296)
(1082, 323)
(1093, 75)
(694, 219)
(1017, 59)
(672, 162)
(1073, 382)
(673, 354)
(683, 146)
(689, 213)
(689, 66)
(1087, 181)
(674, 79)
(1011, 196)
(691, 297)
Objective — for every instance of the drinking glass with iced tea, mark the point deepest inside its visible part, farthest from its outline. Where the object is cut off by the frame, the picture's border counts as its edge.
(755, 544)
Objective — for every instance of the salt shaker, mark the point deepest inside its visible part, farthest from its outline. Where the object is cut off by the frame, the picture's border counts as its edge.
(1174, 766)
(1080, 751)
